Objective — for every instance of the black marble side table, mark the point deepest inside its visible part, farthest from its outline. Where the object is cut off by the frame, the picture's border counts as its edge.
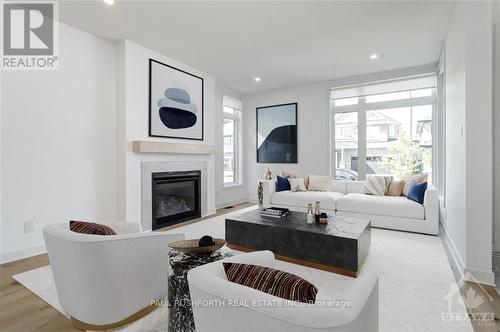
(180, 311)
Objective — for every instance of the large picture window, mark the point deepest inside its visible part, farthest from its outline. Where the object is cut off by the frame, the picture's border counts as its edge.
(383, 128)
(232, 140)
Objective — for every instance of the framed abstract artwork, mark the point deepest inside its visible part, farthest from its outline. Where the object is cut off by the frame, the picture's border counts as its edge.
(277, 134)
(175, 102)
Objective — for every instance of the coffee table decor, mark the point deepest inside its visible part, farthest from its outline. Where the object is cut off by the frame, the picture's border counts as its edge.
(340, 246)
(193, 246)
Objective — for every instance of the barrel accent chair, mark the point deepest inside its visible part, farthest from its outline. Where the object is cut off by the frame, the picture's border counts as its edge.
(106, 281)
(221, 305)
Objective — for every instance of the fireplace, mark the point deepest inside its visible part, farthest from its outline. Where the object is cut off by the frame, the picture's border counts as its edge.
(175, 197)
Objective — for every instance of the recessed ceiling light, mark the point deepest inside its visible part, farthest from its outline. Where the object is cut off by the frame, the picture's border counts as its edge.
(374, 57)
(257, 79)
(109, 2)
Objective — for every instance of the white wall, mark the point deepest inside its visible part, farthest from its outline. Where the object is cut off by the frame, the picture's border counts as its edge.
(496, 21)
(313, 131)
(469, 164)
(58, 142)
(496, 255)
(227, 196)
(133, 115)
(313, 123)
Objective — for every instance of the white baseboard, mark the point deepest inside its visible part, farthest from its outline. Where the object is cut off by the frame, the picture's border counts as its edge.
(231, 203)
(484, 277)
(210, 212)
(450, 246)
(15, 255)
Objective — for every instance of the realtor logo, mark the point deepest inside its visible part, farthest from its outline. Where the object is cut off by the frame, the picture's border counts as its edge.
(29, 36)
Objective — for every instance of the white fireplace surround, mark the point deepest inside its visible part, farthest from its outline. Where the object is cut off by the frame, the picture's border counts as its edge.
(150, 167)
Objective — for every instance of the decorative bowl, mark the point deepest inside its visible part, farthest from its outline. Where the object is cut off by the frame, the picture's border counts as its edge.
(191, 246)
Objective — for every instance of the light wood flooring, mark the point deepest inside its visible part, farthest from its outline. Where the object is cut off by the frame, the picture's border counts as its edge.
(21, 310)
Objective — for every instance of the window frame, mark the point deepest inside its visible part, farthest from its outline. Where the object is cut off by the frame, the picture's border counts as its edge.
(236, 116)
(361, 108)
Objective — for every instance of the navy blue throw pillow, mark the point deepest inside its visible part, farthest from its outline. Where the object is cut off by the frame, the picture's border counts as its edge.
(282, 183)
(417, 192)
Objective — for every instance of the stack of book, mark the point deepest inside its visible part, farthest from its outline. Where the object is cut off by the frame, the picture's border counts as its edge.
(274, 212)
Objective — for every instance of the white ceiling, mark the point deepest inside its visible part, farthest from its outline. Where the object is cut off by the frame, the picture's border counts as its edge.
(284, 43)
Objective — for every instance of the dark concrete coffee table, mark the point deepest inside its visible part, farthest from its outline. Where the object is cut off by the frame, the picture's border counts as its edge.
(341, 246)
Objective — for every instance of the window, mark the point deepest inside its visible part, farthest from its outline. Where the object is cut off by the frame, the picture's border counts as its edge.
(383, 128)
(232, 140)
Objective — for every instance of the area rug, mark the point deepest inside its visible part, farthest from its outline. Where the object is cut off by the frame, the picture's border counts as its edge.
(417, 290)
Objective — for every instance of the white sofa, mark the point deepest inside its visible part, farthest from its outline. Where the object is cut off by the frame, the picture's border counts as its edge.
(220, 305)
(107, 281)
(344, 199)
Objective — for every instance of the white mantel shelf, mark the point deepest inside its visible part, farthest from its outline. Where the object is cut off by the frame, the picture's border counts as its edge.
(171, 148)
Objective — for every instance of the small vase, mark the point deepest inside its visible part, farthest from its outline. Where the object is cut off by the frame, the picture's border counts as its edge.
(260, 194)
(317, 212)
(310, 216)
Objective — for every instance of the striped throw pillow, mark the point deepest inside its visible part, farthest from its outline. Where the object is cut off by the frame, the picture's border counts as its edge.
(275, 282)
(90, 228)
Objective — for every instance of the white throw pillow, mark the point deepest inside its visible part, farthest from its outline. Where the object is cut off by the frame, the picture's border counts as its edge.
(376, 185)
(408, 179)
(291, 175)
(319, 183)
(297, 184)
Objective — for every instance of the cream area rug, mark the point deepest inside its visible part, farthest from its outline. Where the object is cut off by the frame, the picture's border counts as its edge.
(417, 290)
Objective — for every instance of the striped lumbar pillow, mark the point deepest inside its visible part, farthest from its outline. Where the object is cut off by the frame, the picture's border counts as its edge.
(275, 282)
(90, 228)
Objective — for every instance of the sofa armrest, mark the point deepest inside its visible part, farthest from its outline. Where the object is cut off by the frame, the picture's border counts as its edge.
(268, 188)
(431, 206)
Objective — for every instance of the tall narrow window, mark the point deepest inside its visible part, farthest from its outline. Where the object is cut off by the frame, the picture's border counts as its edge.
(383, 128)
(232, 140)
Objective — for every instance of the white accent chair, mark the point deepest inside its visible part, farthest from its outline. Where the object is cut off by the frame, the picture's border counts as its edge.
(107, 281)
(211, 294)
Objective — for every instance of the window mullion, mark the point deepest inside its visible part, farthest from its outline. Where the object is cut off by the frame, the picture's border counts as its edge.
(362, 139)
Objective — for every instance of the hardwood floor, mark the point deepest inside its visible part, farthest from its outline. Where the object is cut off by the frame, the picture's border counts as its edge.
(21, 310)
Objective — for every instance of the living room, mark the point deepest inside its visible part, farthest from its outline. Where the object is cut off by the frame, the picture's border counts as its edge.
(161, 159)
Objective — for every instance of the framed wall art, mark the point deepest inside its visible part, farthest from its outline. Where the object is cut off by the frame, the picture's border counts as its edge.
(175, 102)
(277, 133)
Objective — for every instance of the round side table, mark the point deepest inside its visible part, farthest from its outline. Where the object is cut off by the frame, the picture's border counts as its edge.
(180, 311)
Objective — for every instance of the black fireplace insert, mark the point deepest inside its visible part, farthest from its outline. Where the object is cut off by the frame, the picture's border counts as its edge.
(176, 197)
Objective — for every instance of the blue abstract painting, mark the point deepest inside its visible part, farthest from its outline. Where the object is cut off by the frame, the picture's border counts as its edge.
(277, 134)
(175, 102)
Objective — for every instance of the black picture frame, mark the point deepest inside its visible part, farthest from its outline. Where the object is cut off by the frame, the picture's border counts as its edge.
(150, 108)
(279, 157)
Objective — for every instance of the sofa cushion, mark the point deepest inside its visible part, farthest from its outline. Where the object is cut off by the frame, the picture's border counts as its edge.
(292, 175)
(275, 282)
(319, 183)
(417, 192)
(376, 185)
(282, 183)
(381, 205)
(300, 199)
(354, 186)
(395, 188)
(408, 179)
(297, 184)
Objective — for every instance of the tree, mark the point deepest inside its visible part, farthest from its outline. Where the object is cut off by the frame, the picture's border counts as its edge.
(402, 157)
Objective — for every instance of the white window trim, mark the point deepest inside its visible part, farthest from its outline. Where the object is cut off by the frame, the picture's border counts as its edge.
(237, 148)
(361, 108)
